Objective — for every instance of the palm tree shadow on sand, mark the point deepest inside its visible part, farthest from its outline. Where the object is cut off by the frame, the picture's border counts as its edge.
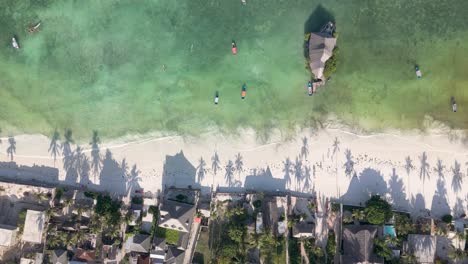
(457, 178)
(96, 160)
(229, 175)
(54, 146)
(287, 171)
(349, 164)
(201, 170)
(304, 148)
(424, 170)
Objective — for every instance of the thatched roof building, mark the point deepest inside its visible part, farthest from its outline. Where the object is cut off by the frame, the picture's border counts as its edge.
(321, 47)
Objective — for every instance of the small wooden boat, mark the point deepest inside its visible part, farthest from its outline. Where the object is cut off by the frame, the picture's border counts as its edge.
(234, 48)
(309, 88)
(244, 91)
(418, 72)
(14, 43)
(34, 28)
(454, 104)
(216, 98)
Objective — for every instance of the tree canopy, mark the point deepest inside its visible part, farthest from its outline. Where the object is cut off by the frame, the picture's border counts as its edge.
(378, 211)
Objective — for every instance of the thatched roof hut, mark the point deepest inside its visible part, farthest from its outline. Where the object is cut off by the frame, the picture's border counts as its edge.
(321, 47)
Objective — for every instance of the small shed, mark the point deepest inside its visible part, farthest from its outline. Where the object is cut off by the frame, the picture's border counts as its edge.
(33, 226)
(321, 45)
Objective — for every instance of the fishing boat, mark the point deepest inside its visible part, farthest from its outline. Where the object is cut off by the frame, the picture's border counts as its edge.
(309, 88)
(216, 98)
(14, 43)
(234, 48)
(244, 91)
(34, 28)
(418, 72)
(454, 104)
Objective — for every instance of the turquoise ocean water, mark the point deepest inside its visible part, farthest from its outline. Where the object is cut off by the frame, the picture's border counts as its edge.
(121, 66)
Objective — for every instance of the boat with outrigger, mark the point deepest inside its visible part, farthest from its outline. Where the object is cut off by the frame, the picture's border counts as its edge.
(216, 98)
(14, 43)
(454, 104)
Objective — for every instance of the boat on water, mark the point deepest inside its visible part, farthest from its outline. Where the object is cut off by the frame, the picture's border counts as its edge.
(14, 43)
(454, 104)
(309, 88)
(244, 91)
(234, 48)
(34, 28)
(216, 98)
(418, 72)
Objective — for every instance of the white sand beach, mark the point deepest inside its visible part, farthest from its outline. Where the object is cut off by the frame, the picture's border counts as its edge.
(416, 171)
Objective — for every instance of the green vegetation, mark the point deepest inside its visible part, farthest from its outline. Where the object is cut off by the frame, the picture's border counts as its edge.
(404, 225)
(137, 200)
(257, 203)
(378, 211)
(331, 246)
(107, 211)
(382, 249)
(294, 251)
(330, 65)
(314, 252)
(171, 236)
(447, 219)
(21, 219)
(58, 193)
(92, 195)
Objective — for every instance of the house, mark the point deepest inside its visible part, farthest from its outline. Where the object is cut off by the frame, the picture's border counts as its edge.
(139, 243)
(303, 229)
(321, 47)
(162, 253)
(7, 235)
(109, 252)
(358, 245)
(88, 256)
(423, 247)
(176, 216)
(34, 226)
(58, 256)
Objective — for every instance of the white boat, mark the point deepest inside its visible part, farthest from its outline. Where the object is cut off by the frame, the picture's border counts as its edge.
(14, 43)
(418, 72)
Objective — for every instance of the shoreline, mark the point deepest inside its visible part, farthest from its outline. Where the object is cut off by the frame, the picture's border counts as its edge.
(331, 162)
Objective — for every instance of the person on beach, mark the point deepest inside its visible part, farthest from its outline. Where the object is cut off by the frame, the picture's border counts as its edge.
(234, 47)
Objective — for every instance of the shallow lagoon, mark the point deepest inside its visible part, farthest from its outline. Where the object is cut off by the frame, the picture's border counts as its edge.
(121, 66)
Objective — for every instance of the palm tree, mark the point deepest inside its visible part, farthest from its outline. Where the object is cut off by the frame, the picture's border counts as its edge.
(239, 164)
(358, 214)
(409, 258)
(456, 254)
(11, 150)
(54, 147)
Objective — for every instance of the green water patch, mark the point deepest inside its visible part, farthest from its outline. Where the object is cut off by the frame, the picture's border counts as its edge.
(120, 66)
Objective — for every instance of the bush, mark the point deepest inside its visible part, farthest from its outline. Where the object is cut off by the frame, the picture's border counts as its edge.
(447, 218)
(257, 203)
(331, 245)
(92, 195)
(137, 200)
(330, 65)
(378, 211)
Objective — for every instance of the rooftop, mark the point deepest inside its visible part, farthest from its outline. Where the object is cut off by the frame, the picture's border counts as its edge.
(177, 216)
(358, 244)
(423, 247)
(33, 226)
(7, 235)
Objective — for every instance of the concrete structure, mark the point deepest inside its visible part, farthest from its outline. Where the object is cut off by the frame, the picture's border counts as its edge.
(176, 216)
(33, 227)
(7, 235)
(423, 247)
